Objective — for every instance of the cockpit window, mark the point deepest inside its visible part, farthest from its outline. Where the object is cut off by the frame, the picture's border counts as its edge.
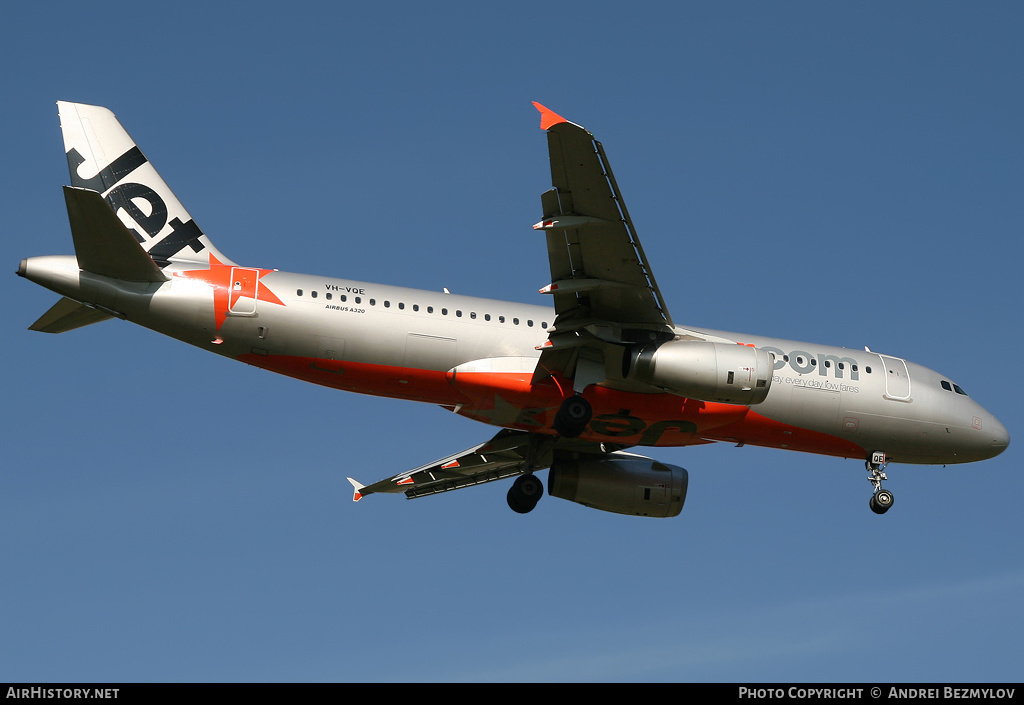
(949, 387)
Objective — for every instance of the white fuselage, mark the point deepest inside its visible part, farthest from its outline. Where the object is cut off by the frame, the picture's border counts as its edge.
(404, 343)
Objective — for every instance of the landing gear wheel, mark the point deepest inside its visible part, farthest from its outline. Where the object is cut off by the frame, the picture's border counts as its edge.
(524, 494)
(881, 501)
(573, 416)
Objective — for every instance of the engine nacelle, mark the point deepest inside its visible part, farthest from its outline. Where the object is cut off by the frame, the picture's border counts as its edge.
(622, 483)
(719, 372)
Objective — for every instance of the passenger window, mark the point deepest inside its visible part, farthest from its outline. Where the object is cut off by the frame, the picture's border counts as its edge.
(298, 292)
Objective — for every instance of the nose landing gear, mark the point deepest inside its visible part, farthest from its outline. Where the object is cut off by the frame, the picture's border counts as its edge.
(881, 500)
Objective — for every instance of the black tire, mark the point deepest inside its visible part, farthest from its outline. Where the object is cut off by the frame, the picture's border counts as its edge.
(524, 494)
(530, 487)
(573, 416)
(515, 502)
(881, 501)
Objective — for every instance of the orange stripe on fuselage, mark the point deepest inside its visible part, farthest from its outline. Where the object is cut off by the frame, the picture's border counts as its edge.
(379, 380)
(510, 400)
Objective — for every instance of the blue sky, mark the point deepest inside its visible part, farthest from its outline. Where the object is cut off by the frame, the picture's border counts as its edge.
(849, 174)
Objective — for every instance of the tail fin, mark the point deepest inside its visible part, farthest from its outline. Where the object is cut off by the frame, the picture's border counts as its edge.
(102, 157)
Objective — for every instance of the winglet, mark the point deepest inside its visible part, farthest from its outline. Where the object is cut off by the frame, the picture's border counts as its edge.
(356, 486)
(548, 117)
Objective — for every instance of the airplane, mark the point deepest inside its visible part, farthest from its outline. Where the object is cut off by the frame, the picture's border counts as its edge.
(574, 388)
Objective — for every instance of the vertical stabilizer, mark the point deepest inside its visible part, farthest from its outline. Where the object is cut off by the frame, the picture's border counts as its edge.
(103, 157)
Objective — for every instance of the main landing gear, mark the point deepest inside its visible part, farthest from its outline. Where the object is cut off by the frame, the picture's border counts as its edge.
(881, 500)
(573, 416)
(524, 493)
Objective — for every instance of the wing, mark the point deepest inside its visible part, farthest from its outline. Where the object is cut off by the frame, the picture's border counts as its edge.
(603, 288)
(508, 454)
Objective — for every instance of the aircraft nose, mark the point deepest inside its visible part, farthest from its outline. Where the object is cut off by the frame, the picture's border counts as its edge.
(1000, 437)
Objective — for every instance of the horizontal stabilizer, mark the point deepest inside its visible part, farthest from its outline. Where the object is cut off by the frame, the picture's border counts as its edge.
(67, 314)
(103, 244)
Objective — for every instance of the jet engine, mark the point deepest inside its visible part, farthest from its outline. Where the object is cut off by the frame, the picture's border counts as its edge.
(719, 372)
(622, 483)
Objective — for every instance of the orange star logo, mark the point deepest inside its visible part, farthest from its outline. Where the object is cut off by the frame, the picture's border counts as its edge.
(232, 286)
